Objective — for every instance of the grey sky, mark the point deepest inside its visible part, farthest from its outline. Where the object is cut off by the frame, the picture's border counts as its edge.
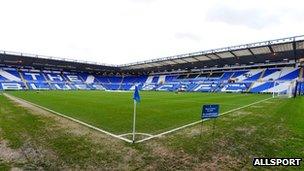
(123, 31)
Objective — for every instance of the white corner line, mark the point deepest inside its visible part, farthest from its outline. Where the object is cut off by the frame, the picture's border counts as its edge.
(196, 122)
(139, 133)
(70, 118)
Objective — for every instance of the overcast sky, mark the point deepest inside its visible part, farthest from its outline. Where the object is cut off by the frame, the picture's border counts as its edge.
(124, 31)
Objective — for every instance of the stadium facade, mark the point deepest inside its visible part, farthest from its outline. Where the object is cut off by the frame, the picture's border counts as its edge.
(262, 67)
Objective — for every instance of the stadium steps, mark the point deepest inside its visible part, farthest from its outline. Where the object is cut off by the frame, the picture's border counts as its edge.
(250, 87)
(23, 80)
(301, 74)
(258, 71)
(120, 85)
(149, 80)
(161, 79)
(260, 80)
(262, 75)
(226, 76)
(81, 78)
(46, 80)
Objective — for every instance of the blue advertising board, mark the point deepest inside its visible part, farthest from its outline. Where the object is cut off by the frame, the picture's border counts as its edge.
(210, 111)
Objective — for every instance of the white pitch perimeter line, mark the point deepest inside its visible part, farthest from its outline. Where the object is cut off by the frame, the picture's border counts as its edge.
(70, 118)
(149, 135)
(193, 123)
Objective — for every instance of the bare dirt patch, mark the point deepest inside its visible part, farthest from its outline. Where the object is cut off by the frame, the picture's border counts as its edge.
(29, 155)
(246, 130)
(240, 112)
(169, 159)
(257, 106)
(220, 162)
(196, 131)
(8, 154)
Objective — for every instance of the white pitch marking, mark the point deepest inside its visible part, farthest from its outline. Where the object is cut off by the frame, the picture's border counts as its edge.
(70, 118)
(193, 123)
(149, 135)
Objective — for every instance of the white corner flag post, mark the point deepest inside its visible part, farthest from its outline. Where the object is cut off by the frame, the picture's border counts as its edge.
(134, 120)
(136, 99)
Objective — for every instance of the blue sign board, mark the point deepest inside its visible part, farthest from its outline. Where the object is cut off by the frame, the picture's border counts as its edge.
(210, 111)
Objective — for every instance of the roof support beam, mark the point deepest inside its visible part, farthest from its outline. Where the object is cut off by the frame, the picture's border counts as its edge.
(212, 60)
(254, 56)
(184, 60)
(270, 48)
(250, 51)
(295, 54)
(197, 59)
(232, 53)
(217, 55)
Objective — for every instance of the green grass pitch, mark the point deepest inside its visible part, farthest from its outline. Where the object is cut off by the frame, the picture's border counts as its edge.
(113, 111)
(31, 140)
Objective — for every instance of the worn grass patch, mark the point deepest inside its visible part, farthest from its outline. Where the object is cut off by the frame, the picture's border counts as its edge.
(276, 130)
(34, 141)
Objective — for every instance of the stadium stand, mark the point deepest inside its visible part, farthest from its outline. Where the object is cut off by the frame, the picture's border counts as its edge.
(263, 67)
(265, 80)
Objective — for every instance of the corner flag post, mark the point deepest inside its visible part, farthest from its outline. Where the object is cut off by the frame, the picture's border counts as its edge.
(134, 120)
(136, 99)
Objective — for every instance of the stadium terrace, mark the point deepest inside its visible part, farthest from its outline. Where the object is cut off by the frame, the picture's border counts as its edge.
(262, 67)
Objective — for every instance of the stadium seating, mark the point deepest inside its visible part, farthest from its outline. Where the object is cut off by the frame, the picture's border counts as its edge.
(61, 86)
(264, 80)
(10, 79)
(271, 74)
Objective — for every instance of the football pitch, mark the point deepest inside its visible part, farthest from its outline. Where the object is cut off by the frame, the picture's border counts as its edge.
(157, 112)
